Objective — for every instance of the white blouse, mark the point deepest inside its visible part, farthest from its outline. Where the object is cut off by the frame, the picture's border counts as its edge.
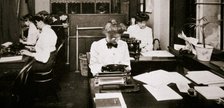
(100, 55)
(45, 45)
(33, 33)
(145, 35)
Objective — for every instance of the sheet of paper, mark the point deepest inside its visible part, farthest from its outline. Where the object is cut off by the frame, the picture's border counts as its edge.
(161, 77)
(210, 92)
(204, 77)
(9, 59)
(158, 53)
(154, 78)
(111, 95)
(183, 87)
(7, 44)
(162, 93)
(178, 46)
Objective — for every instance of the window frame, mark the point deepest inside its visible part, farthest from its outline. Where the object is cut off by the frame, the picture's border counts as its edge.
(221, 4)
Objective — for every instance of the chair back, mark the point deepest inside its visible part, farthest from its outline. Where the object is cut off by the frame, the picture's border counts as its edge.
(156, 44)
(45, 74)
(21, 79)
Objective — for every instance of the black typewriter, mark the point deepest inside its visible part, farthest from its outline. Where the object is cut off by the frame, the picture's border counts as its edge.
(11, 50)
(133, 47)
(115, 77)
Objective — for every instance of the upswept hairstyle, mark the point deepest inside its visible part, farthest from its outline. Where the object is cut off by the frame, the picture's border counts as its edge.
(142, 17)
(113, 27)
(46, 19)
(27, 17)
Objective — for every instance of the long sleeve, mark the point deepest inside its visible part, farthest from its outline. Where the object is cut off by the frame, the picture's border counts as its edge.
(95, 65)
(126, 57)
(33, 33)
(45, 44)
(100, 55)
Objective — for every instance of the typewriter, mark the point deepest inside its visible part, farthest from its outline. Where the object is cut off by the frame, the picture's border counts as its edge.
(114, 77)
(133, 47)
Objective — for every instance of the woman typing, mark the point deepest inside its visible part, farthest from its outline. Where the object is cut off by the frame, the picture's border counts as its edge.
(45, 48)
(109, 50)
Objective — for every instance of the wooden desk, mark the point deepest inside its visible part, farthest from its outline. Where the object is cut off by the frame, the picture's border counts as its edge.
(13, 65)
(8, 73)
(190, 62)
(144, 99)
(147, 64)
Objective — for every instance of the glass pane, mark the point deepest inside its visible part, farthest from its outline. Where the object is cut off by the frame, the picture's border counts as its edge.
(102, 8)
(212, 30)
(115, 6)
(88, 8)
(74, 8)
(58, 8)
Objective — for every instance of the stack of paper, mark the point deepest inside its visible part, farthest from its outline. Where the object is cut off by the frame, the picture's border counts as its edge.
(210, 92)
(109, 100)
(159, 53)
(205, 77)
(162, 93)
(158, 80)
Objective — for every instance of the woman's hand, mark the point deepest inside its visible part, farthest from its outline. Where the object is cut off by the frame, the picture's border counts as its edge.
(26, 52)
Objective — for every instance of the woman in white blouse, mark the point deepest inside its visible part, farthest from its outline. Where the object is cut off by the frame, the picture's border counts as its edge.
(45, 48)
(33, 32)
(142, 32)
(109, 50)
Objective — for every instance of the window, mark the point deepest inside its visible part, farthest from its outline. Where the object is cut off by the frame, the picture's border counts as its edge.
(212, 10)
(182, 12)
(86, 6)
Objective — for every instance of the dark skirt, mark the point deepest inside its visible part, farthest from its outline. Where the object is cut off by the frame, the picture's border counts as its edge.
(44, 67)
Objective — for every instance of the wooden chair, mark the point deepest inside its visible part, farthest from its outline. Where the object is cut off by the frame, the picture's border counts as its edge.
(43, 83)
(19, 87)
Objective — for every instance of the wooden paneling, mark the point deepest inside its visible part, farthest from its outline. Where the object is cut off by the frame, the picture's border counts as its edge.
(84, 46)
(92, 20)
(86, 37)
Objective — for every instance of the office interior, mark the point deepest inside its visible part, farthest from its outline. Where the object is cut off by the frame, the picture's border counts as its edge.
(73, 87)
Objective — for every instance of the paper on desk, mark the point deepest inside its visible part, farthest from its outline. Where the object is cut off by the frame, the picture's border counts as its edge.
(157, 77)
(205, 77)
(210, 92)
(6, 44)
(178, 46)
(162, 93)
(111, 95)
(11, 58)
(159, 53)
(180, 80)
(162, 77)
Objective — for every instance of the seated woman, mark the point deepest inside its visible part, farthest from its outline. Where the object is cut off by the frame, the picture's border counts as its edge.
(45, 49)
(109, 50)
(141, 32)
(33, 32)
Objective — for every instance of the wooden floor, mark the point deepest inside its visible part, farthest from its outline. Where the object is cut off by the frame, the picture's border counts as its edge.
(74, 93)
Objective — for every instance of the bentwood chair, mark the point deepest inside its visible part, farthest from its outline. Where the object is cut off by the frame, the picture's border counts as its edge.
(19, 88)
(43, 83)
